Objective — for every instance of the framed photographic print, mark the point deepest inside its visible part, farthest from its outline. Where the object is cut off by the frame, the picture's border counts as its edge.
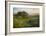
(24, 16)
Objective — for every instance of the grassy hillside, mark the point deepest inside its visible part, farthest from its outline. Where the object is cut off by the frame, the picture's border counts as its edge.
(32, 21)
(25, 21)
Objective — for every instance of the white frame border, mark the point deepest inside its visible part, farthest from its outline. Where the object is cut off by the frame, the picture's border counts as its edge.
(12, 30)
(24, 29)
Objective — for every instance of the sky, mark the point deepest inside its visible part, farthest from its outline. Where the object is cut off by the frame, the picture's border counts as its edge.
(28, 10)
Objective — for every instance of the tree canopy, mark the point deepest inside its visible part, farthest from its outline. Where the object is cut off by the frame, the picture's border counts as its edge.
(21, 13)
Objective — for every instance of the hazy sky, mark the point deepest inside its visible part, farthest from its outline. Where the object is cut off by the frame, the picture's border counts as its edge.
(28, 10)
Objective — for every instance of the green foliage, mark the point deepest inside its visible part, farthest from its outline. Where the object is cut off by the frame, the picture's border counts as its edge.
(21, 20)
(22, 14)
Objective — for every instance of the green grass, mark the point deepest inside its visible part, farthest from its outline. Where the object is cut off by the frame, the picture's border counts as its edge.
(21, 22)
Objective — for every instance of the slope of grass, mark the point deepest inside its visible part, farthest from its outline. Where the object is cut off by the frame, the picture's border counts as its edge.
(21, 22)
